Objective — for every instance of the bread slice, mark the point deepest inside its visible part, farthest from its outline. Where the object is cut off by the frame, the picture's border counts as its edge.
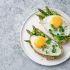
(35, 32)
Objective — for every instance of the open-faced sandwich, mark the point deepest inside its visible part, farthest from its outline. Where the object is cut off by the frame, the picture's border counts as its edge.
(43, 45)
(55, 24)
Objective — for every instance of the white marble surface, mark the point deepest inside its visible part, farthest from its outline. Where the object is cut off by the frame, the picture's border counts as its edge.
(13, 14)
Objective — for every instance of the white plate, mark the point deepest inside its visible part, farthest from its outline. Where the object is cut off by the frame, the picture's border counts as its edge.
(34, 20)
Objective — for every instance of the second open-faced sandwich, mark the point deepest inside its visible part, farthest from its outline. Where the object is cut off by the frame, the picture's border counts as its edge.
(43, 45)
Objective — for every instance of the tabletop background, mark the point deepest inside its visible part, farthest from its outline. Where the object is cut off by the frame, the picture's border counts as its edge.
(13, 14)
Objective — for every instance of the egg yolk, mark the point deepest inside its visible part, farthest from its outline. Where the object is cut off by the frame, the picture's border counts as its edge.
(56, 21)
(39, 42)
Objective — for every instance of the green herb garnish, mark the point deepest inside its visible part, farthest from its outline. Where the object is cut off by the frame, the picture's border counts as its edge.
(46, 52)
(40, 34)
(43, 47)
(48, 41)
(54, 49)
(50, 31)
(59, 37)
(61, 29)
(33, 32)
(53, 27)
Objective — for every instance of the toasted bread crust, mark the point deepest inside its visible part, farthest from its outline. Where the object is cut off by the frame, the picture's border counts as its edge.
(49, 57)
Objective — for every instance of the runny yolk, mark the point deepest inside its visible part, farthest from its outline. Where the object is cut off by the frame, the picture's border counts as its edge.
(39, 42)
(56, 21)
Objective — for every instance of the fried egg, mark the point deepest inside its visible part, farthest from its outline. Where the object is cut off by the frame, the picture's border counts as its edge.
(40, 45)
(56, 21)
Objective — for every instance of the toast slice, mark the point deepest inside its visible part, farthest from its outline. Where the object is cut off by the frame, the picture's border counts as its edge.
(51, 54)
